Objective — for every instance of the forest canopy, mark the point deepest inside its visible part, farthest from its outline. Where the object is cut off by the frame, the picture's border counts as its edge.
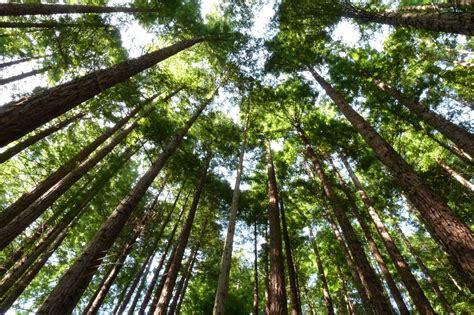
(237, 157)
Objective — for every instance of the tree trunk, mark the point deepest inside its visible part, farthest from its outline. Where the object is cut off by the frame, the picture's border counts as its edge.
(77, 206)
(434, 285)
(185, 287)
(347, 299)
(392, 286)
(38, 207)
(22, 75)
(448, 22)
(17, 118)
(185, 276)
(454, 235)
(156, 272)
(176, 259)
(277, 272)
(17, 9)
(377, 300)
(255, 271)
(458, 177)
(292, 274)
(20, 146)
(28, 198)
(404, 270)
(266, 261)
(48, 25)
(353, 268)
(461, 137)
(67, 292)
(104, 287)
(18, 61)
(322, 276)
(226, 260)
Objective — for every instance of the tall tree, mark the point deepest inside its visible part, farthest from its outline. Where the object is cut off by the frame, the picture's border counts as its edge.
(69, 289)
(17, 118)
(453, 234)
(277, 273)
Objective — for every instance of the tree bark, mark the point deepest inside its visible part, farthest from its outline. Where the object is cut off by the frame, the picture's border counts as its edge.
(18, 61)
(454, 235)
(28, 198)
(17, 118)
(392, 286)
(22, 75)
(347, 299)
(277, 272)
(49, 25)
(434, 285)
(292, 274)
(266, 261)
(156, 272)
(461, 137)
(176, 259)
(226, 260)
(404, 270)
(353, 268)
(448, 22)
(20, 146)
(104, 287)
(67, 292)
(255, 271)
(185, 287)
(458, 177)
(377, 300)
(322, 276)
(38, 207)
(17, 9)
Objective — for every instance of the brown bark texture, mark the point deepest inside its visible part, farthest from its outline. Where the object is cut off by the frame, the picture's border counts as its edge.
(176, 259)
(17, 9)
(448, 22)
(453, 234)
(277, 271)
(461, 137)
(67, 292)
(377, 300)
(17, 118)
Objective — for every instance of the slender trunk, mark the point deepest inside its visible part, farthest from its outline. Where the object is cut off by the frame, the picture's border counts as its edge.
(322, 276)
(7, 300)
(17, 118)
(368, 277)
(353, 268)
(142, 274)
(156, 272)
(347, 299)
(185, 287)
(28, 198)
(461, 137)
(458, 177)
(23, 75)
(454, 151)
(186, 274)
(17, 9)
(96, 302)
(448, 22)
(255, 271)
(404, 270)
(67, 292)
(392, 286)
(176, 259)
(77, 206)
(277, 271)
(434, 285)
(455, 236)
(48, 25)
(292, 274)
(266, 261)
(226, 260)
(18, 61)
(38, 207)
(20, 146)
